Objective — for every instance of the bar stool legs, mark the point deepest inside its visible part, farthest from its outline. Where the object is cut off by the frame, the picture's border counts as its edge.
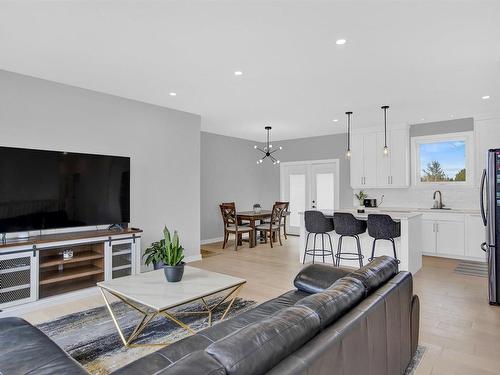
(393, 248)
(318, 252)
(355, 256)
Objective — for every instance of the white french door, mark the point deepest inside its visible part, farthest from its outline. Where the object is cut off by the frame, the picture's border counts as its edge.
(309, 185)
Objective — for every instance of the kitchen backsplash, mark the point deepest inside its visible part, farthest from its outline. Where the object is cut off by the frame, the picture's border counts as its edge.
(422, 197)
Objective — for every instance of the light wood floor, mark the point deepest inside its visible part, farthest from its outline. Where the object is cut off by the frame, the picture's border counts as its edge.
(459, 329)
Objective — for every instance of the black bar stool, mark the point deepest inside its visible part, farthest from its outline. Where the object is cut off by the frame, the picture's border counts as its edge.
(316, 223)
(382, 227)
(346, 225)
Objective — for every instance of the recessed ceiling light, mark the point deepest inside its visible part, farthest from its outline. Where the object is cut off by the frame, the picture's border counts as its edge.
(485, 97)
(422, 119)
(335, 120)
(452, 116)
(173, 94)
(340, 41)
(238, 73)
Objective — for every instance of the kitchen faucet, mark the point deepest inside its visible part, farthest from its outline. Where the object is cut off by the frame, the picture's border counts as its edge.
(440, 203)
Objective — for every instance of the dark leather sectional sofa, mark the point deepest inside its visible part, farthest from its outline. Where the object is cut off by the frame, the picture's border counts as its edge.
(335, 322)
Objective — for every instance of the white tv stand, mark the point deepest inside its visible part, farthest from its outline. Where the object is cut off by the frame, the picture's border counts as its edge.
(34, 268)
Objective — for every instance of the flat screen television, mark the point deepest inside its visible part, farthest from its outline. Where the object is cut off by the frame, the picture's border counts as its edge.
(51, 189)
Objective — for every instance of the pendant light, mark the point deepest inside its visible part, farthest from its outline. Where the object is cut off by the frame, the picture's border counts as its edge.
(348, 153)
(386, 149)
(267, 149)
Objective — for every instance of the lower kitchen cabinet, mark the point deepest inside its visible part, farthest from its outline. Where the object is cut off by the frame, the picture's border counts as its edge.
(476, 234)
(453, 235)
(428, 236)
(450, 238)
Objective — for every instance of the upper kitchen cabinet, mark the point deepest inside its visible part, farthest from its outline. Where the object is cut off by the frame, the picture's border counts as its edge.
(370, 168)
(393, 169)
(363, 168)
(487, 134)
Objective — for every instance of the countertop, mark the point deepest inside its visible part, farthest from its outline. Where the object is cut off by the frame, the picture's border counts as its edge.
(395, 215)
(469, 211)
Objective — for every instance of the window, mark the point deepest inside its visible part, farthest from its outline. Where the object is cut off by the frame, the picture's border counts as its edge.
(442, 159)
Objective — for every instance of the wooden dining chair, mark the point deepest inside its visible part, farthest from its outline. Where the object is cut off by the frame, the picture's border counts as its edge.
(228, 211)
(274, 225)
(285, 213)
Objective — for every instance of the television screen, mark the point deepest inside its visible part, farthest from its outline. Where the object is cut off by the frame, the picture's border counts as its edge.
(52, 189)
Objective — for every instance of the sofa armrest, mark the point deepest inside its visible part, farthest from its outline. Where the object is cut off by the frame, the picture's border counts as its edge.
(315, 278)
(415, 323)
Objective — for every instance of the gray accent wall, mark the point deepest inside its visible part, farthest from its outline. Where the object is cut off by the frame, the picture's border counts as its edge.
(442, 127)
(163, 144)
(229, 173)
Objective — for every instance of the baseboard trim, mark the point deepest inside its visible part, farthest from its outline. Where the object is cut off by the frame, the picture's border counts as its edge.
(192, 258)
(212, 240)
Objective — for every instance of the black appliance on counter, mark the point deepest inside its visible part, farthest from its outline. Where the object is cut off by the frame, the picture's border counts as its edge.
(370, 202)
(490, 212)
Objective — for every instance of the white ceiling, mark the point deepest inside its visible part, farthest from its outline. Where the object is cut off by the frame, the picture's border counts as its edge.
(426, 59)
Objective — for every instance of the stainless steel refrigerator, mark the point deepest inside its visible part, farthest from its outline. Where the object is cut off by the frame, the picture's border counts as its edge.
(490, 212)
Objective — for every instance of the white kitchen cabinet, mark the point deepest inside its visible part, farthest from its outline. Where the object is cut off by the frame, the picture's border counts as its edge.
(475, 237)
(399, 155)
(393, 168)
(357, 161)
(450, 238)
(443, 234)
(428, 236)
(370, 161)
(487, 134)
(370, 168)
(363, 168)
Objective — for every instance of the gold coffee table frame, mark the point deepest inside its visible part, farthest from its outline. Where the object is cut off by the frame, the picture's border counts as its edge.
(148, 314)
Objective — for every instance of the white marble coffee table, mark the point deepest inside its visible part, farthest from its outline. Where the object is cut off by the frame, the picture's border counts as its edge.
(151, 295)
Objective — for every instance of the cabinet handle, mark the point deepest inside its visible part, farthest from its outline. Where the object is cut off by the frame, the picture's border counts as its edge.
(391, 180)
(388, 179)
(437, 227)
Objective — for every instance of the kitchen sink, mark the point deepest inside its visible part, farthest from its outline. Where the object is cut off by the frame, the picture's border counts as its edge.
(442, 208)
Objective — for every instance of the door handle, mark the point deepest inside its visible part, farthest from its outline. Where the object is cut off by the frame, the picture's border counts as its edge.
(481, 197)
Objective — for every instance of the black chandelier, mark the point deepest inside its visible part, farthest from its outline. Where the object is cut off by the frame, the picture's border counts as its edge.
(267, 149)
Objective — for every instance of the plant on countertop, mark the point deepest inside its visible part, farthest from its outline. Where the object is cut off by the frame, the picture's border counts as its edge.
(361, 197)
(167, 251)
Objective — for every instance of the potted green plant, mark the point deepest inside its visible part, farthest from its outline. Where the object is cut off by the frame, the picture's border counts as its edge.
(361, 198)
(167, 254)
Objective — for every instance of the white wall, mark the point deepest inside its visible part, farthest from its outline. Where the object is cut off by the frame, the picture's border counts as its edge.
(163, 144)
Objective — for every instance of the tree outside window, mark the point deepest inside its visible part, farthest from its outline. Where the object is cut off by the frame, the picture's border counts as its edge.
(443, 161)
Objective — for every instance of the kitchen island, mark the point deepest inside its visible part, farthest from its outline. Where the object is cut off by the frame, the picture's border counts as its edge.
(408, 246)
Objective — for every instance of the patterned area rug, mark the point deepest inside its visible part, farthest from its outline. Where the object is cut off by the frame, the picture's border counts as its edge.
(91, 338)
(470, 268)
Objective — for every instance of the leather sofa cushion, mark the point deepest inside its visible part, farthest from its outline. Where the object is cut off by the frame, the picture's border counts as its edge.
(199, 363)
(25, 349)
(257, 314)
(317, 277)
(335, 301)
(375, 273)
(258, 347)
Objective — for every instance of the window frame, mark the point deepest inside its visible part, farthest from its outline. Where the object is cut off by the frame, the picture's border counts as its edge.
(466, 137)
